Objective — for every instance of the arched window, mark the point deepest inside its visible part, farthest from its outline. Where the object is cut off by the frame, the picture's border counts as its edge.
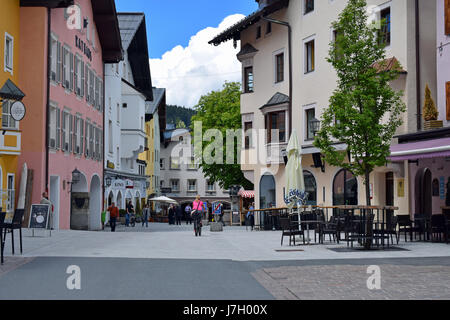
(345, 189)
(267, 191)
(311, 188)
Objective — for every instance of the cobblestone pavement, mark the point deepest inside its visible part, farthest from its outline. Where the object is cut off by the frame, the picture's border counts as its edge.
(349, 282)
(13, 263)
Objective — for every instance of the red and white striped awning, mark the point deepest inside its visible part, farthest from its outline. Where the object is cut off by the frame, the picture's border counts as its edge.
(246, 194)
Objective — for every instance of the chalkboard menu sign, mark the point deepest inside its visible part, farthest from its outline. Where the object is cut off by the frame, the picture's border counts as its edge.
(39, 216)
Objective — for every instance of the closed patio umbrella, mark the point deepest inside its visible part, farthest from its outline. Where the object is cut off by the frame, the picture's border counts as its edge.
(295, 183)
(163, 200)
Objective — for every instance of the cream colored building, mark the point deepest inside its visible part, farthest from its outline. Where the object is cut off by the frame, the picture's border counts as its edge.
(265, 99)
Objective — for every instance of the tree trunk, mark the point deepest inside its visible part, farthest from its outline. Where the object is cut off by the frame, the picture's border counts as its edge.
(369, 224)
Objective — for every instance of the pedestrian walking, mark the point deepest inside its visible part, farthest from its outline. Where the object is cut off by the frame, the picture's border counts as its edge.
(187, 212)
(145, 215)
(113, 216)
(46, 201)
(130, 211)
(250, 217)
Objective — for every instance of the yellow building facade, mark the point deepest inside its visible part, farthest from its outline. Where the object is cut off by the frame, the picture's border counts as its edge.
(149, 156)
(10, 134)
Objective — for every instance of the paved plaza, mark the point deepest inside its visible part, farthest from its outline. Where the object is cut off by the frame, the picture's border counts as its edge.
(169, 262)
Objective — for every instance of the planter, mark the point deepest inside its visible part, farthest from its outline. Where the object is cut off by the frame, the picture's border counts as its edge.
(433, 124)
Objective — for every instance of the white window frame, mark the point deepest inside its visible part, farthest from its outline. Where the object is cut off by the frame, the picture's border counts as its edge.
(7, 67)
(54, 59)
(304, 8)
(305, 55)
(10, 192)
(274, 63)
(178, 185)
(10, 119)
(189, 185)
(312, 106)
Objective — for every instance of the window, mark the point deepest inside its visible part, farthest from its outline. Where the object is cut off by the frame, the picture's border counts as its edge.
(87, 140)
(80, 136)
(248, 80)
(310, 188)
(11, 193)
(52, 128)
(141, 169)
(276, 127)
(97, 143)
(192, 165)
(9, 53)
(192, 185)
(86, 83)
(248, 126)
(174, 163)
(75, 134)
(385, 32)
(54, 59)
(175, 185)
(118, 113)
(161, 184)
(269, 28)
(309, 56)
(67, 66)
(118, 157)
(310, 115)
(66, 132)
(7, 119)
(162, 164)
(279, 67)
(447, 17)
(78, 76)
(210, 186)
(258, 32)
(309, 6)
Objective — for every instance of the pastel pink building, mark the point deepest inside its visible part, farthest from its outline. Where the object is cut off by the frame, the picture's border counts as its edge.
(64, 45)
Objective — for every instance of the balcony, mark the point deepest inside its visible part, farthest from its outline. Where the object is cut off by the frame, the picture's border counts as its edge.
(132, 142)
(10, 142)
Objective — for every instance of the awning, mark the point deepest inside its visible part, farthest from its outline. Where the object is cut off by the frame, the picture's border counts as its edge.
(420, 150)
(311, 149)
(246, 194)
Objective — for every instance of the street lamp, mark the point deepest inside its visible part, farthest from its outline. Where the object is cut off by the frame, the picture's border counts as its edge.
(315, 125)
(108, 181)
(76, 176)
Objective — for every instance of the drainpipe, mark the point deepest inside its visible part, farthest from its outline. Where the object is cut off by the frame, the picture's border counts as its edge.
(418, 65)
(286, 24)
(47, 113)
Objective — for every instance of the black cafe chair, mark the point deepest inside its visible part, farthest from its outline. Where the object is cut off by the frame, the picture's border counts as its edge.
(16, 224)
(2, 242)
(290, 229)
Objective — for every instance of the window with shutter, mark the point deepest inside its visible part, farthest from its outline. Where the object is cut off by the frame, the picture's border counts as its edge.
(71, 75)
(70, 133)
(91, 86)
(86, 140)
(58, 129)
(91, 140)
(75, 135)
(81, 136)
(82, 79)
(86, 75)
(447, 17)
(59, 63)
(447, 90)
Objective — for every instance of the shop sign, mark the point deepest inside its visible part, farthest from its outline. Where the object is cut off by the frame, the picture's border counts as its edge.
(80, 44)
(110, 165)
(118, 184)
(18, 111)
(129, 184)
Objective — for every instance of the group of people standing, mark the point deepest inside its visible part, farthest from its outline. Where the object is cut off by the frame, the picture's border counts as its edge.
(175, 215)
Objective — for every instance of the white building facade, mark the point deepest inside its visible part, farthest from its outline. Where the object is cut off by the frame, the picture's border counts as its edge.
(128, 92)
(181, 177)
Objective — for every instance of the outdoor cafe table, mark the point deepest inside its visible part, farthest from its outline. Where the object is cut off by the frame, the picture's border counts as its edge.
(319, 223)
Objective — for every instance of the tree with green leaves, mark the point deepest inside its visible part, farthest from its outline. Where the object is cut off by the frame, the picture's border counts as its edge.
(220, 111)
(364, 111)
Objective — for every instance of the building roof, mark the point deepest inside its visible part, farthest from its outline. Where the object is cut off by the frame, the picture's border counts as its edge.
(158, 95)
(170, 134)
(234, 32)
(47, 3)
(390, 64)
(105, 17)
(133, 33)
(277, 99)
(11, 91)
(247, 49)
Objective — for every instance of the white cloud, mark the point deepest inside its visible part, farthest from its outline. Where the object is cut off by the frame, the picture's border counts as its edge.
(188, 73)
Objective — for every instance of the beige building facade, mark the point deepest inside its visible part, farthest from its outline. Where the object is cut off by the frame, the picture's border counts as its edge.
(266, 94)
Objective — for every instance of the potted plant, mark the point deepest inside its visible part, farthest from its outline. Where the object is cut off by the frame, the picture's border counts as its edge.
(430, 112)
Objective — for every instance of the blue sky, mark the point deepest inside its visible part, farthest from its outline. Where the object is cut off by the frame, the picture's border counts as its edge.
(174, 22)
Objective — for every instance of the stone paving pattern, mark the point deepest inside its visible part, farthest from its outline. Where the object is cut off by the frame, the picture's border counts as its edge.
(347, 282)
(12, 263)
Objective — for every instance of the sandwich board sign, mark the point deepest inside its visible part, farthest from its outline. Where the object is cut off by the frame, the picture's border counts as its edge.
(39, 216)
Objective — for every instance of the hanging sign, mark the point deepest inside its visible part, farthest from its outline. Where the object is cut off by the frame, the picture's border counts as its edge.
(18, 111)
